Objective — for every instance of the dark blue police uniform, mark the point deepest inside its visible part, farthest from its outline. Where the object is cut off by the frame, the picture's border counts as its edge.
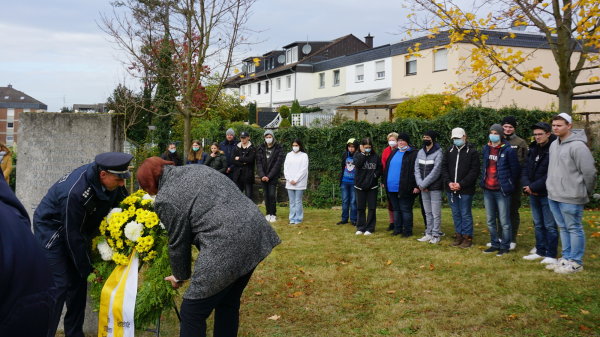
(25, 278)
(65, 222)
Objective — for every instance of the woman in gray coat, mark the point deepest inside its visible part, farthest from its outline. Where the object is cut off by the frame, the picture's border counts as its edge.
(231, 234)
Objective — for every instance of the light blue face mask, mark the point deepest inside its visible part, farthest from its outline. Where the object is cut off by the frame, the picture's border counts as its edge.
(172, 150)
(494, 138)
(195, 149)
(458, 142)
(368, 150)
(403, 148)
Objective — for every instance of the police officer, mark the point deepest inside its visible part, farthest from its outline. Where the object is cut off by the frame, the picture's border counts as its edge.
(67, 219)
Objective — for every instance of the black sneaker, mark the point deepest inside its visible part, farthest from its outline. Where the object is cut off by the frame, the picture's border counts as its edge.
(491, 250)
(342, 223)
(502, 252)
(391, 227)
(353, 223)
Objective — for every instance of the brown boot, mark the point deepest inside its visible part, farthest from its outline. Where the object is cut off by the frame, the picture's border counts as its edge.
(458, 239)
(467, 241)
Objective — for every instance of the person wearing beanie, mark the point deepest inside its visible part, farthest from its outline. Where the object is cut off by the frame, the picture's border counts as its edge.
(519, 145)
(571, 179)
(269, 160)
(533, 177)
(347, 174)
(500, 171)
(400, 184)
(366, 184)
(428, 169)
(392, 139)
(228, 147)
(460, 169)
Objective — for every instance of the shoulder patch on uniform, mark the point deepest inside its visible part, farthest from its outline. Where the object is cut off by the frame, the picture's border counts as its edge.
(62, 180)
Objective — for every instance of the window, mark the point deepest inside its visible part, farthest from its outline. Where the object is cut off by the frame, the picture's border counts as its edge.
(411, 66)
(336, 78)
(322, 80)
(360, 73)
(10, 113)
(288, 81)
(288, 56)
(278, 84)
(440, 59)
(251, 68)
(379, 70)
(258, 88)
(295, 54)
(266, 87)
(6, 97)
(22, 97)
(243, 90)
(10, 125)
(9, 139)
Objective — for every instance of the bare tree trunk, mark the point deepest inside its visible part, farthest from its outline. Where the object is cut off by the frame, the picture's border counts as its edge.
(565, 100)
(187, 132)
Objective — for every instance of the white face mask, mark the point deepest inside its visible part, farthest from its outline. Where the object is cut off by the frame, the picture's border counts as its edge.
(392, 143)
(295, 148)
(268, 140)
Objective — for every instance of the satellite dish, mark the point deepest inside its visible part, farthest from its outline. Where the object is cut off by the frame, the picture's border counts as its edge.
(244, 68)
(281, 59)
(306, 49)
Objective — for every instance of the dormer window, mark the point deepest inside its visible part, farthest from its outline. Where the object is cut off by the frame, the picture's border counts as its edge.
(251, 67)
(22, 97)
(291, 55)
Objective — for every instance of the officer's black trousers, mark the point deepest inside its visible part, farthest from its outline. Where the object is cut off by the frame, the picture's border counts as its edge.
(70, 289)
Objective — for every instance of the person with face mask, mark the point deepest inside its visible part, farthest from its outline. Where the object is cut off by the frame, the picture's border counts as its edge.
(295, 170)
(366, 183)
(5, 161)
(348, 171)
(196, 155)
(428, 169)
(171, 155)
(392, 139)
(269, 159)
(460, 169)
(216, 159)
(500, 172)
(401, 186)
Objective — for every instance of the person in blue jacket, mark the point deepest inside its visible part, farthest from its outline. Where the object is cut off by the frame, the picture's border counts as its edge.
(65, 222)
(25, 279)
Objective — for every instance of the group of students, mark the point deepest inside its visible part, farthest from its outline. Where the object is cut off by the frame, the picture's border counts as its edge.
(238, 160)
(556, 171)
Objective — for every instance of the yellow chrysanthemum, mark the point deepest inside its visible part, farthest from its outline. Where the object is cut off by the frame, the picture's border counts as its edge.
(146, 202)
(150, 256)
(120, 259)
(144, 244)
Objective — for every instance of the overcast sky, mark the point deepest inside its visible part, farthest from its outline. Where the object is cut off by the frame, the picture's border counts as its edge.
(55, 52)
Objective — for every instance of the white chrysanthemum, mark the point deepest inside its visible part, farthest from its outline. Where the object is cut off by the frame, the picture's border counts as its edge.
(133, 231)
(149, 197)
(105, 251)
(113, 211)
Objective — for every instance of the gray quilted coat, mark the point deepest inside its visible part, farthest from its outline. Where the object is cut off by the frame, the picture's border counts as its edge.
(202, 207)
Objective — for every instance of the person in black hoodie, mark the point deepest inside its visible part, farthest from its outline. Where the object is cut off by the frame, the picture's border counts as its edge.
(171, 155)
(25, 278)
(460, 169)
(400, 183)
(366, 181)
(533, 179)
(347, 174)
(228, 147)
(244, 156)
(269, 159)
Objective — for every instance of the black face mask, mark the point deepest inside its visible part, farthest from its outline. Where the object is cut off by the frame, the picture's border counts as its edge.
(426, 142)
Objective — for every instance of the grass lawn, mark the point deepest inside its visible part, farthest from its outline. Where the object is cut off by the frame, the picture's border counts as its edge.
(325, 281)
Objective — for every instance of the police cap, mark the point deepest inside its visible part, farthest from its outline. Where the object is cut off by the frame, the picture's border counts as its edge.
(244, 134)
(115, 163)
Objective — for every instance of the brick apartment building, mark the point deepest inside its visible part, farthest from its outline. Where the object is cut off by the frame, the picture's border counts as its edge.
(12, 103)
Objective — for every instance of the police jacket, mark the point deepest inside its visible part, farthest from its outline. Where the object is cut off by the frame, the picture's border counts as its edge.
(368, 170)
(71, 212)
(269, 167)
(25, 279)
(461, 165)
(535, 170)
(508, 169)
(407, 176)
(428, 168)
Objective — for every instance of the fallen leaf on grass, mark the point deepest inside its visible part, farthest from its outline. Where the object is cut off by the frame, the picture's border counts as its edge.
(565, 316)
(431, 267)
(388, 262)
(457, 262)
(585, 312)
(512, 317)
(593, 256)
(296, 294)
(584, 328)
(422, 266)
(274, 317)
(258, 293)
(325, 229)
(391, 291)
(596, 235)
(300, 233)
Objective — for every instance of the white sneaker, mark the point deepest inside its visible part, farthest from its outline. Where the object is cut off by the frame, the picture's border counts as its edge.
(273, 218)
(559, 263)
(359, 233)
(489, 244)
(569, 268)
(513, 245)
(368, 233)
(548, 260)
(532, 257)
(426, 238)
(533, 250)
(268, 217)
(435, 240)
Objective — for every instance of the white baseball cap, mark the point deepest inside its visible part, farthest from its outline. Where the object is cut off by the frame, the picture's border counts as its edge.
(458, 133)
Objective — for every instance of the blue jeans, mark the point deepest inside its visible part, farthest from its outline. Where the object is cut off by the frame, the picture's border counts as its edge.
(568, 217)
(497, 203)
(348, 202)
(546, 232)
(296, 210)
(461, 205)
(403, 213)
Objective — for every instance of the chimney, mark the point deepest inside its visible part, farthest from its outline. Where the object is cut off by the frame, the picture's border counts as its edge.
(369, 40)
(9, 86)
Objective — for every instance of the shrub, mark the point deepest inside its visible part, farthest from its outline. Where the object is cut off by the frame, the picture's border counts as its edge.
(284, 111)
(296, 109)
(428, 106)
